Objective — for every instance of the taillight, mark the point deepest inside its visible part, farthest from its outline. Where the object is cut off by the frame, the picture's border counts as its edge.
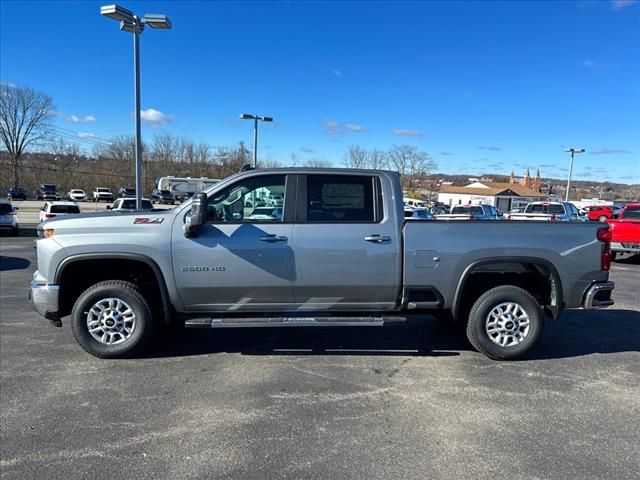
(509, 217)
(471, 217)
(552, 218)
(49, 215)
(604, 235)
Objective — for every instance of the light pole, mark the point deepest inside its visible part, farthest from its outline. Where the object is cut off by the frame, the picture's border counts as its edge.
(255, 118)
(573, 151)
(131, 23)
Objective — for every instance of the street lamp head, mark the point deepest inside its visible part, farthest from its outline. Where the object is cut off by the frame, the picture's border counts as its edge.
(246, 116)
(575, 150)
(266, 119)
(116, 12)
(157, 20)
(130, 27)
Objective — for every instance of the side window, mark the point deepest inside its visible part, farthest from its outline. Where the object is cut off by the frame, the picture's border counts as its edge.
(257, 199)
(340, 198)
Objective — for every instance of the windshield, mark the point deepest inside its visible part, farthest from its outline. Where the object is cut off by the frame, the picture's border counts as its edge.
(65, 209)
(130, 204)
(104, 190)
(632, 213)
(553, 209)
(467, 210)
(5, 208)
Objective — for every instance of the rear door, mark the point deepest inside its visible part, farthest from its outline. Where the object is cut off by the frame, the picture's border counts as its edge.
(346, 244)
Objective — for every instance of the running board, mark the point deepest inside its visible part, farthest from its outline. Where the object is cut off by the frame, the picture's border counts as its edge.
(243, 322)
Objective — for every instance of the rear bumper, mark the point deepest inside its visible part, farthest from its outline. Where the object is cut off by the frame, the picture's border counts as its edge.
(626, 247)
(44, 300)
(598, 295)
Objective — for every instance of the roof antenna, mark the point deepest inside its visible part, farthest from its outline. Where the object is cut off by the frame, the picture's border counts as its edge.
(246, 167)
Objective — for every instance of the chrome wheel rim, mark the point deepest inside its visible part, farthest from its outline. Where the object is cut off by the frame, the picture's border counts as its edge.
(111, 321)
(507, 324)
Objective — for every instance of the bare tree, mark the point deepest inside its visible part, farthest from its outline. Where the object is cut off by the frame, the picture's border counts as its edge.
(377, 160)
(317, 163)
(356, 157)
(24, 119)
(413, 165)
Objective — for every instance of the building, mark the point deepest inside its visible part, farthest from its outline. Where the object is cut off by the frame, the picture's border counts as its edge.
(527, 181)
(503, 196)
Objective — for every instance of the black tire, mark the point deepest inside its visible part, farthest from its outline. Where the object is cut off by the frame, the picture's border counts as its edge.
(15, 232)
(126, 292)
(614, 255)
(476, 324)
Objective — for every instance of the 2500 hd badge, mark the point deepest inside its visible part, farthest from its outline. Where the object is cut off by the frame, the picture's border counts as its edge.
(203, 269)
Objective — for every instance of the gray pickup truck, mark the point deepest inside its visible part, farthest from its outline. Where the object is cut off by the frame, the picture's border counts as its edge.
(336, 253)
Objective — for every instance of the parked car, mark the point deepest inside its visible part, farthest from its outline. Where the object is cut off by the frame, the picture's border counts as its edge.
(102, 193)
(126, 192)
(58, 209)
(129, 204)
(162, 196)
(472, 212)
(549, 211)
(617, 210)
(414, 203)
(439, 210)
(9, 221)
(77, 195)
(598, 212)
(205, 258)
(47, 191)
(625, 231)
(16, 193)
(417, 214)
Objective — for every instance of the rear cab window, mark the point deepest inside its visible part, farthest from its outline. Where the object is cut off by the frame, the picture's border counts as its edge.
(342, 199)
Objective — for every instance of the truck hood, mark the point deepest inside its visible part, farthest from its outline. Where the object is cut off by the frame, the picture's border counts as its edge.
(110, 222)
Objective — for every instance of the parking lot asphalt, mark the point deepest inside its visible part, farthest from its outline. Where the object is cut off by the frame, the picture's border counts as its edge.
(401, 402)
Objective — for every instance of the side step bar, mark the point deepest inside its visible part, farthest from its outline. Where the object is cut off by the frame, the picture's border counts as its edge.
(244, 322)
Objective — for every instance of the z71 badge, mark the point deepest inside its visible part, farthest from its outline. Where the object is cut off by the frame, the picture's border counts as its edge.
(147, 220)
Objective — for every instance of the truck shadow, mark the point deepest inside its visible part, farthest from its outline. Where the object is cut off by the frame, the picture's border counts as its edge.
(393, 340)
(13, 263)
(578, 333)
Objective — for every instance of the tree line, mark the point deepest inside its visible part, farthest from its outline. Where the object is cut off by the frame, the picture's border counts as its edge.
(36, 152)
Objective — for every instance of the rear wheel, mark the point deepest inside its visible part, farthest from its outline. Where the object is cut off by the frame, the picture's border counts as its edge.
(603, 218)
(112, 319)
(505, 322)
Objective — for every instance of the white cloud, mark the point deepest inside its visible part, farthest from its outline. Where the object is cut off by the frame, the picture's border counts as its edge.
(405, 132)
(336, 72)
(86, 135)
(82, 118)
(609, 151)
(8, 84)
(620, 4)
(332, 127)
(352, 127)
(155, 117)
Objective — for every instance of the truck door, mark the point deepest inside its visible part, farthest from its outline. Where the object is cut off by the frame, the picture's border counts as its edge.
(346, 244)
(242, 259)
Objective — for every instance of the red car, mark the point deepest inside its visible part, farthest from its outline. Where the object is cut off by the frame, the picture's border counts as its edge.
(625, 231)
(599, 212)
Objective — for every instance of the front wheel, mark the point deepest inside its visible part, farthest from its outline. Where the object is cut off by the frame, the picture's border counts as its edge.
(505, 322)
(112, 319)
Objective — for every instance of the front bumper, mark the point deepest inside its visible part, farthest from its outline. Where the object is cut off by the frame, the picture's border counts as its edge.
(598, 295)
(44, 300)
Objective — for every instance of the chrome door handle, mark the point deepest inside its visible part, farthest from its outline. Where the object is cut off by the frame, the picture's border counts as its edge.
(377, 238)
(273, 238)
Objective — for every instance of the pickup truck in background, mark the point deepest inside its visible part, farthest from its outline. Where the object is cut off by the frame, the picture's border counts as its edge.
(549, 211)
(472, 212)
(339, 254)
(625, 231)
(102, 194)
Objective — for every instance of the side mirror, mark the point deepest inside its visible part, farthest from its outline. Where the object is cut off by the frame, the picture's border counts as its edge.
(109, 207)
(198, 216)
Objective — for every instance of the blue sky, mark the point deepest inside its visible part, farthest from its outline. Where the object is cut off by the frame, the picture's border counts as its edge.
(481, 86)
